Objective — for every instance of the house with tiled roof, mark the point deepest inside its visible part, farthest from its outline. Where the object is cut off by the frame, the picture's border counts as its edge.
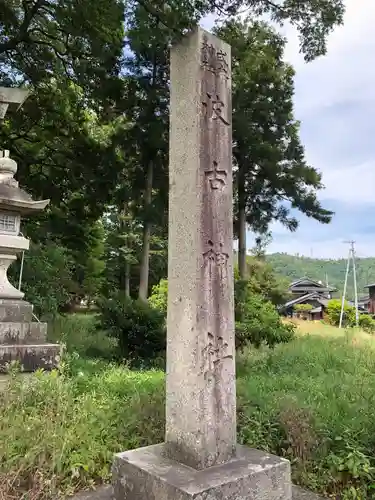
(309, 292)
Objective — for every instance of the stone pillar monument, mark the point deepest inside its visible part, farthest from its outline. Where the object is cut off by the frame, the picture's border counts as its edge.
(200, 458)
(21, 339)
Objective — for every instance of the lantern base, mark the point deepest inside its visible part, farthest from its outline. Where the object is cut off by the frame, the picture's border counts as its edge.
(24, 341)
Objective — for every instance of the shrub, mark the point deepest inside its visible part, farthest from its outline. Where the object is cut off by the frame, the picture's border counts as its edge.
(367, 323)
(79, 334)
(303, 307)
(159, 297)
(138, 328)
(334, 311)
(46, 277)
(257, 320)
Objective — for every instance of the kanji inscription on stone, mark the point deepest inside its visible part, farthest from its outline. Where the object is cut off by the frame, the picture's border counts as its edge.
(214, 352)
(214, 60)
(215, 108)
(216, 259)
(217, 177)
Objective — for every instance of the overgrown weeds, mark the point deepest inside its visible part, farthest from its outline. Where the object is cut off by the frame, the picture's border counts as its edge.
(58, 433)
(310, 400)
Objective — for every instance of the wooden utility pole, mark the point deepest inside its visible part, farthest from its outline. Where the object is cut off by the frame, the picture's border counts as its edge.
(351, 257)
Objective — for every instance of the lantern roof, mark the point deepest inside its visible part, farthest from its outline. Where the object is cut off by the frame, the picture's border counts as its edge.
(12, 197)
(11, 98)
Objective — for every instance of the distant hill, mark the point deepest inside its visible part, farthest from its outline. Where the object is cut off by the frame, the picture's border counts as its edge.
(293, 267)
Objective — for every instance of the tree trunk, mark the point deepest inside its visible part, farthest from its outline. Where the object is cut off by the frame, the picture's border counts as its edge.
(127, 279)
(242, 268)
(145, 262)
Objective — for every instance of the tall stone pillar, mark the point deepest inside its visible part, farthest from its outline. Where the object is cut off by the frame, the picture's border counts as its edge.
(200, 458)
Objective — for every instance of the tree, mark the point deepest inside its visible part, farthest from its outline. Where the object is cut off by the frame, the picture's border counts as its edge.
(264, 281)
(151, 30)
(147, 108)
(46, 277)
(334, 312)
(98, 119)
(270, 168)
(313, 20)
(123, 245)
(67, 154)
(257, 320)
(79, 39)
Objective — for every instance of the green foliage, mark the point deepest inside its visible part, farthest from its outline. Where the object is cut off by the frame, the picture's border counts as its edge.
(138, 328)
(46, 277)
(58, 434)
(80, 336)
(263, 280)
(123, 250)
(303, 307)
(334, 311)
(45, 37)
(257, 320)
(304, 400)
(270, 159)
(367, 323)
(89, 263)
(310, 400)
(159, 297)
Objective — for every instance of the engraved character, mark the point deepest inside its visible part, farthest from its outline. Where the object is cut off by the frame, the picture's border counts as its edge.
(221, 351)
(208, 354)
(213, 353)
(215, 108)
(208, 56)
(217, 177)
(221, 261)
(222, 63)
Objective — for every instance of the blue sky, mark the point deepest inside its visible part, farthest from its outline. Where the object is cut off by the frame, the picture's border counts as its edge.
(335, 102)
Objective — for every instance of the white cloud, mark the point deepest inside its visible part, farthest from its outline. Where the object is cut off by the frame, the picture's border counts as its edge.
(330, 248)
(335, 98)
(335, 101)
(347, 69)
(354, 184)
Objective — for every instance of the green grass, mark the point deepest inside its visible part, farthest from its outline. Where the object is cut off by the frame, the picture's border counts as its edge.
(79, 334)
(311, 400)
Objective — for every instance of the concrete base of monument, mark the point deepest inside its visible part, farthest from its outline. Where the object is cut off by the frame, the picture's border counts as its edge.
(146, 474)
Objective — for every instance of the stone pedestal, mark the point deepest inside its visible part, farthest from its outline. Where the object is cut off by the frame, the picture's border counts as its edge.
(146, 474)
(23, 340)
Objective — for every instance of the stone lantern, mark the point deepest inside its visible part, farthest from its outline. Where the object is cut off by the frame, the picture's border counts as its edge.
(21, 339)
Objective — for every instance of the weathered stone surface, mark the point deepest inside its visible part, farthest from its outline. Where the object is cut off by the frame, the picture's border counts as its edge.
(22, 333)
(15, 310)
(201, 395)
(106, 493)
(200, 459)
(253, 475)
(31, 357)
